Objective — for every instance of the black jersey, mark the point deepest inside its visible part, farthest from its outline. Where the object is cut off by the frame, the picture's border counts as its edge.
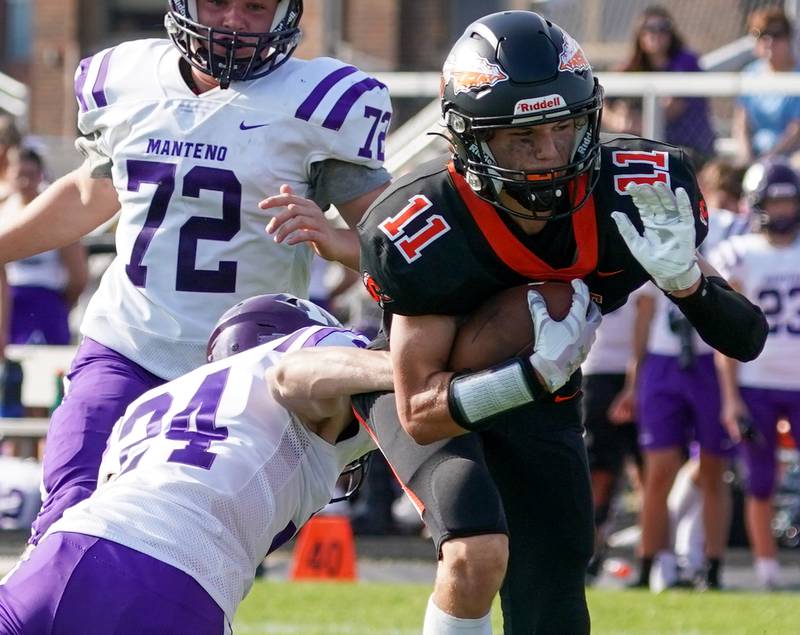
(430, 245)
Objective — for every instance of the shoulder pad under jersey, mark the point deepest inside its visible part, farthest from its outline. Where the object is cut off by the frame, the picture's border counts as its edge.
(350, 110)
(126, 74)
(125, 71)
(311, 336)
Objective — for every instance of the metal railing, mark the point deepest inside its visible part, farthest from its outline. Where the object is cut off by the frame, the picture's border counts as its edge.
(14, 98)
(650, 87)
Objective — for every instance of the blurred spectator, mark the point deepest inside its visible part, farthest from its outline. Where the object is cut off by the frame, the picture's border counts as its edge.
(674, 387)
(658, 47)
(765, 266)
(46, 286)
(609, 443)
(768, 124)
(720, 182)
(10, 139)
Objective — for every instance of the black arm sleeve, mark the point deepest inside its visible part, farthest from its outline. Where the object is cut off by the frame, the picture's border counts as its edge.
(725, 319)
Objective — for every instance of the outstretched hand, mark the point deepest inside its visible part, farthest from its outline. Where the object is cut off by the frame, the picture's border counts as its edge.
(302, 220)
(666, 249)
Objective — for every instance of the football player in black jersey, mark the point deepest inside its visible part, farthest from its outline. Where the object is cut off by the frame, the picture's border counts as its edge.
(494, 460)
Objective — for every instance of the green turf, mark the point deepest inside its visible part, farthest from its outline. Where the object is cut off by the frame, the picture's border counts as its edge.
(396, 609)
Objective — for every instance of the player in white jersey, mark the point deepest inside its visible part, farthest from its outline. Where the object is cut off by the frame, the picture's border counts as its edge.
(44, 287)
(202, 477)
(765, 266)
(200, 141)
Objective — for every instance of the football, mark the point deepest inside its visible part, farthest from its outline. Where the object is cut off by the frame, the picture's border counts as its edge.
(502, 327)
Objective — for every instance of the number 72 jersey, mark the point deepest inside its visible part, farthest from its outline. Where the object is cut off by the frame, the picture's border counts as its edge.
(190, 170)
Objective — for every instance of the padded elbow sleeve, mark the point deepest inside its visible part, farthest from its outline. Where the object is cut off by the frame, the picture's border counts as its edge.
(725, 319)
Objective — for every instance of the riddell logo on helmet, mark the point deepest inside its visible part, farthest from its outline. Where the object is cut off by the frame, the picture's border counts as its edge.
(539, 104)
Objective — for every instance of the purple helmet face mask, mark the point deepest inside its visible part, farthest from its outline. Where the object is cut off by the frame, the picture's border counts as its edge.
(778, 180)
(261, 319)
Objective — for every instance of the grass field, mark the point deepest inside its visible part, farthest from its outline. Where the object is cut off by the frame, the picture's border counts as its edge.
(278, 608)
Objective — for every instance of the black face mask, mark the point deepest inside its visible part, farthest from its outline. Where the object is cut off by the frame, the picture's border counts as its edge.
(543, 200)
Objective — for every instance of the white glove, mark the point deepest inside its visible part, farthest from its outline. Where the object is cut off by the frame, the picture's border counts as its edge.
(666, 250)
(560, 347)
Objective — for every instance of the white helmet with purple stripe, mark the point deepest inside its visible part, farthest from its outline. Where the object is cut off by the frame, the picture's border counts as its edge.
(261, 319)
(246, 55)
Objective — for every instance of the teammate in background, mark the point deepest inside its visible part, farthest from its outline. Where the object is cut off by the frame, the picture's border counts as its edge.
(202, 477)
(46, 286)
(199, 149)
(529, 193)
(609, 442)
(765, 266)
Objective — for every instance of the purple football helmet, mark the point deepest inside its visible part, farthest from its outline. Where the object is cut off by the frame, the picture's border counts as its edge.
(247, 55)
(768, 180)
(261, 319)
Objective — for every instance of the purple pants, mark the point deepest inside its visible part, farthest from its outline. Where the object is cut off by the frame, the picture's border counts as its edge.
(677, 406)
(75, 584)
(766, 406)
(101, 385)
(38, 316)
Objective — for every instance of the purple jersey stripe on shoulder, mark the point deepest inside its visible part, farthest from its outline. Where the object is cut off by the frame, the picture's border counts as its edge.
(80, 81)
(320, 335)
(308, 107)
(291, 339)
(99, 88)
(336, 117)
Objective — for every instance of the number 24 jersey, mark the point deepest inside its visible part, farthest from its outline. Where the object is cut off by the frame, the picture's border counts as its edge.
(208, 472)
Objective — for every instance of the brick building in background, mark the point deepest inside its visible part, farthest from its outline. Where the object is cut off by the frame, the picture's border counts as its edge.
(366, 32)
(42, 41)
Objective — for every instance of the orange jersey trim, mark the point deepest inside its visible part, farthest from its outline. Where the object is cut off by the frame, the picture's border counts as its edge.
(517, 256)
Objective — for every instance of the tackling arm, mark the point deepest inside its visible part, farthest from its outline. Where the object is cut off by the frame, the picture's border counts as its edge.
(62, 214)
(316, 384)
